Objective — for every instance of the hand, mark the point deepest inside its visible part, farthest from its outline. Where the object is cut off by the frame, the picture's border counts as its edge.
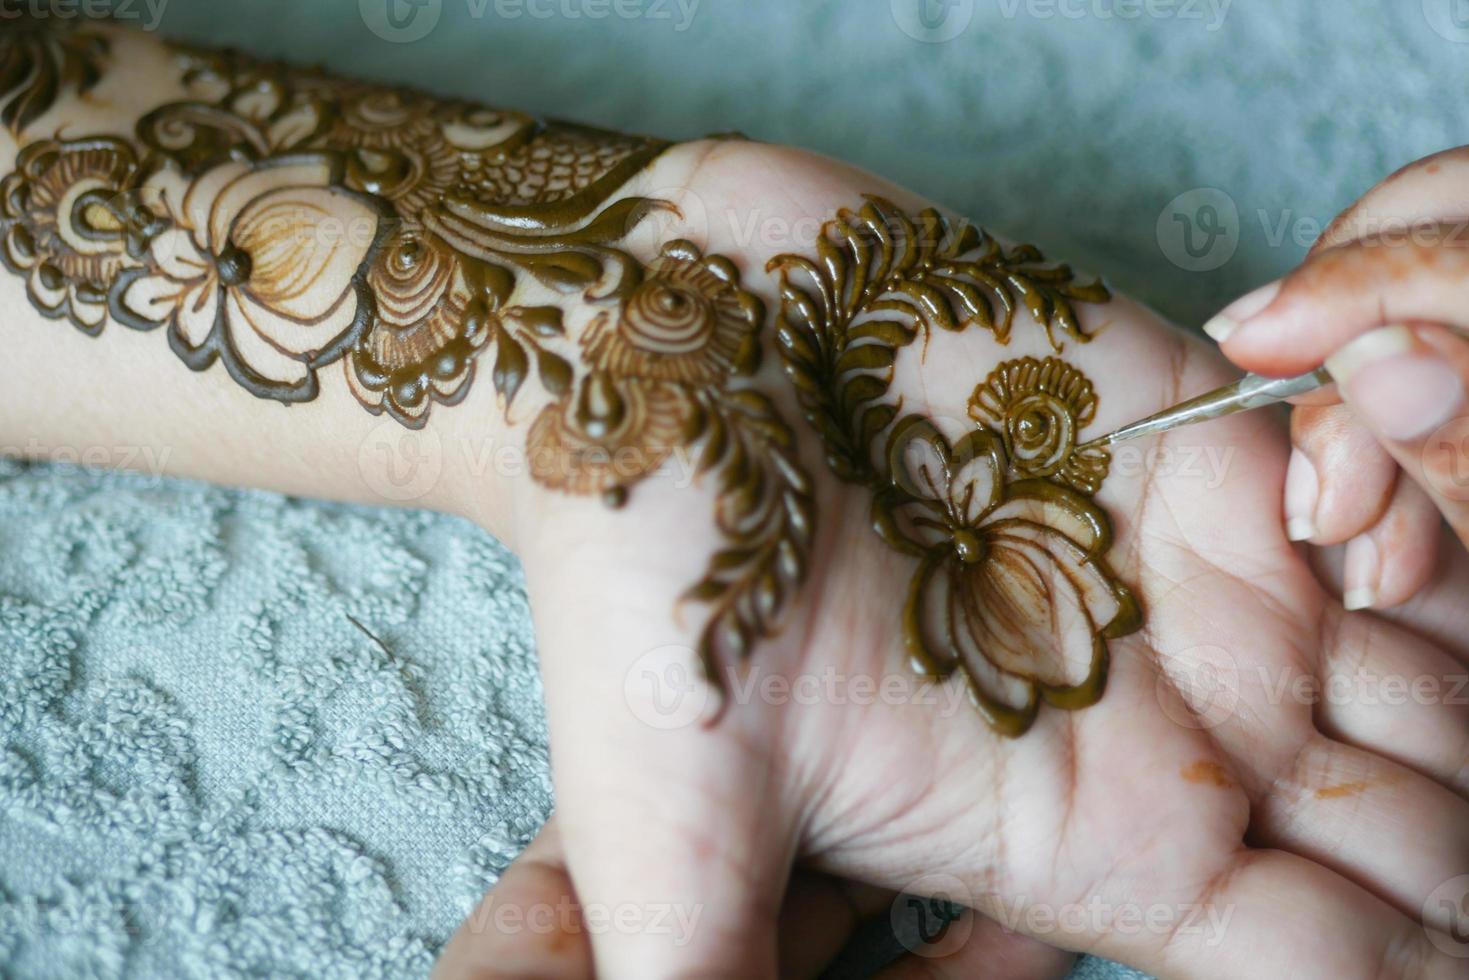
(1208, 818)
(1382, 457)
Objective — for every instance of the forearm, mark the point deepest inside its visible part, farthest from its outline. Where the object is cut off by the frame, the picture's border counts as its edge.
(394, 293)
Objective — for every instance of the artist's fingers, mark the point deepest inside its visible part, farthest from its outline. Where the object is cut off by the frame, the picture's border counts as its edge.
(1294, 325)
(1339, 480)
(1433, 190)
(1391, 830)
(528, 925)
(1408, 385)
(1387, 691)
(984, 949)
(1390, 562)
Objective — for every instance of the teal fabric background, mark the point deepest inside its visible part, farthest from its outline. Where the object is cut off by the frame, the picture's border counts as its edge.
(207, 770)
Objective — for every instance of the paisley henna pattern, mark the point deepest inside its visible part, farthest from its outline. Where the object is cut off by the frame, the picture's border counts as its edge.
(1012, 586)
(280, 221)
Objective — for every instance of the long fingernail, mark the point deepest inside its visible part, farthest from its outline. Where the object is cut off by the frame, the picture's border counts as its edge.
(1229, 319)
(1302, 489)
(1400, 387)
(1360, 574)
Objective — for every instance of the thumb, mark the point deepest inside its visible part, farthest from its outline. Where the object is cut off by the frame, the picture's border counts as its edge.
(678, 835)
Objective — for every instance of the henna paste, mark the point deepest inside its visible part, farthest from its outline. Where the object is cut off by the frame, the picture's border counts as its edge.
(1012, 587)
(282, 221)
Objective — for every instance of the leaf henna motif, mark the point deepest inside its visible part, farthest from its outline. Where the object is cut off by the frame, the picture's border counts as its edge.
(882, 279)
(1012, 588)
(39, 58)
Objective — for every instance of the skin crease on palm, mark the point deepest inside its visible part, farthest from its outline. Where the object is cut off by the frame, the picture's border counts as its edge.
(1310, 831)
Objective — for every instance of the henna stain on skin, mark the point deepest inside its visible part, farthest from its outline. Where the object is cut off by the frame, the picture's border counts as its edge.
(281, 221)
(1012, 589)
(1343, 790)
(1206, 773)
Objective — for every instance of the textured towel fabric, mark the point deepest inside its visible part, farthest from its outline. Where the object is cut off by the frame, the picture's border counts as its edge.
(208, 767)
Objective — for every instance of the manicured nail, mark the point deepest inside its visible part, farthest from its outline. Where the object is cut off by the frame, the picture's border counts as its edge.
(1229, 319)
(1399, 386)
(1302, 489)
(1361, 572)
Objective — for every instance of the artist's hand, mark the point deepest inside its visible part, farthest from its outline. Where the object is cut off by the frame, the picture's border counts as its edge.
(1248, 799)
(1382, 457)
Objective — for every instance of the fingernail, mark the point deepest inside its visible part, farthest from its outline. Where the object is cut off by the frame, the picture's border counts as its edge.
(1302, 488)
(1400, 387)
(1360, 573)
(1229, 319)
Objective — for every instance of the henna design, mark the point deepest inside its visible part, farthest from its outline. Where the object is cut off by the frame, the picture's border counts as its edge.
(38, 59)
(1012, 586)
(280, 220)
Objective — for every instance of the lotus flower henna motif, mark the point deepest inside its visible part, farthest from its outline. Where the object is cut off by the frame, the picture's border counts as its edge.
(263, 267)
(1012, 586)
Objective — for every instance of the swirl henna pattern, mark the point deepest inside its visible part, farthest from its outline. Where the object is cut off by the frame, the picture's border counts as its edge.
(1012, 587)
(281, 221)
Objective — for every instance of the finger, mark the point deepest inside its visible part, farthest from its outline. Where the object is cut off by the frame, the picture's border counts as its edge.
(1387, 691)
(1269, 913)
(528, 925)
(1408, 385)
(819, 916)
(1432, 190)
(1436, 613)
(1294, 325)
(1339, 481)
(1390, 562)
(1392, 831)
(680, 836)
(984, 948)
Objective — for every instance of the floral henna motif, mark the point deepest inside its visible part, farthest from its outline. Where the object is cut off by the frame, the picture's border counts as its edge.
(280, 221)
(1012, 587)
